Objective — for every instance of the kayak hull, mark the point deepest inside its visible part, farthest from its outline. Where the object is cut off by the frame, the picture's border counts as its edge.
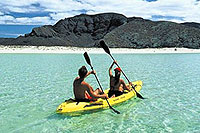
(70, 106)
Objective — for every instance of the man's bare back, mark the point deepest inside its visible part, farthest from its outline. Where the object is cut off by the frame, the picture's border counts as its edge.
(82, 90)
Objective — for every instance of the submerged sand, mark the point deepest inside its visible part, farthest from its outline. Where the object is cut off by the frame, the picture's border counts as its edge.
(78, 50)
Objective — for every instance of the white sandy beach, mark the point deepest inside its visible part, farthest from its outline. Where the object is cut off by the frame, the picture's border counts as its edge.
(61, 49)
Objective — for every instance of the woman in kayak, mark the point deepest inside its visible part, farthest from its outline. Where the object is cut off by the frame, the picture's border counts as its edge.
(83, 92)
(117, 85)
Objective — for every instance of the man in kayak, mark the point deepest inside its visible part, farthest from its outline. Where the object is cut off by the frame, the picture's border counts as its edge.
(117, 85)
(83, 92)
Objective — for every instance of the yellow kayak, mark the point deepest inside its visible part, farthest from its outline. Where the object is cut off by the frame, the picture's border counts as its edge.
(71, 106)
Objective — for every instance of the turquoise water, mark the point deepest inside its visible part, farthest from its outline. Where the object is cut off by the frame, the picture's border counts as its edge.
(33, 85)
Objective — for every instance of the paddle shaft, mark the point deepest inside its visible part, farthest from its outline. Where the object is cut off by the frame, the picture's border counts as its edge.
(121, 70)
(97, 80)
(103, 92)
(87, 58)
(106, 49)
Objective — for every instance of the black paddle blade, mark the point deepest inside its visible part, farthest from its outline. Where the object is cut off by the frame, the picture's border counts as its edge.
(115, 110)
(138, 95)
(87, 58)
(104, 46)
(112, 107)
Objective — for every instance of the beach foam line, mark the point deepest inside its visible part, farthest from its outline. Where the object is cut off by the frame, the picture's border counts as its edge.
(78, 50)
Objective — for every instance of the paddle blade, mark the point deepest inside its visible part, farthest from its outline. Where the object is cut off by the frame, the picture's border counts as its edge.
(114, 110)
(138, 95)
(87, 58)
(104, 46)
(112, 107)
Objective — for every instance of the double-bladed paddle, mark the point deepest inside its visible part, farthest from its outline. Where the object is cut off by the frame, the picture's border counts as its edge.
(106, 49)
(87, 58)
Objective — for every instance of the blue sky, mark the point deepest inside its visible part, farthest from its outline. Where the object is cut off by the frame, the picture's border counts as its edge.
(43, 12)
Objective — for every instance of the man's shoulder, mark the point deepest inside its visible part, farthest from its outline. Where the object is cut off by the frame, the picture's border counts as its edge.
(76, 79)
(84, 83)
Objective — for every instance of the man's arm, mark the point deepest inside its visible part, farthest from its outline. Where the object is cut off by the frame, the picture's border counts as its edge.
(92, 94)
(90, 72)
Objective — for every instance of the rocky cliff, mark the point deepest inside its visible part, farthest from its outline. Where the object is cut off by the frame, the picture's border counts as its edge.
(149, 34)
(116, 29)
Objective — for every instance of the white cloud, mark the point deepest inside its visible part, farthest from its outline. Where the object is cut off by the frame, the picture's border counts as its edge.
(1, 13)
(189, 10)
(6, 19)
(25, 20)
(62, 15)
(34, 20)
(21, 9)
(19, 3)
(64, 5)
(173, 20)
(183, 8)
(186, 9)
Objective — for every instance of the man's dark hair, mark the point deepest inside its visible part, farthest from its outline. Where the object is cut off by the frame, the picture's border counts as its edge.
(82, 72)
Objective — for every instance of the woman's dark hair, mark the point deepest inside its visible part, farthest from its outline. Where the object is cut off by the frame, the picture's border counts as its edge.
(82, 72)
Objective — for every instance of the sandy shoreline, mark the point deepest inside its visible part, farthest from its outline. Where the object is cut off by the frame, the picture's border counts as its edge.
(77, 50)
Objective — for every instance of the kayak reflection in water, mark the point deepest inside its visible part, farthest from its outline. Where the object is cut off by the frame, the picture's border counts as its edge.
(117, 85)
(83, 92)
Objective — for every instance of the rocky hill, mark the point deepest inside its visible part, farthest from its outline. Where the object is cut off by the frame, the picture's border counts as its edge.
(116, 29)
(149, 34)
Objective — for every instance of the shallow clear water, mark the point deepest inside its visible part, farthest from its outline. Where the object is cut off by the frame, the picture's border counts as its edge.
(33, 85)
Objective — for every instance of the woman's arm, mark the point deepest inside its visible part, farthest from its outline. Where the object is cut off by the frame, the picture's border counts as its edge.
(124, 85)
(110, 69)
